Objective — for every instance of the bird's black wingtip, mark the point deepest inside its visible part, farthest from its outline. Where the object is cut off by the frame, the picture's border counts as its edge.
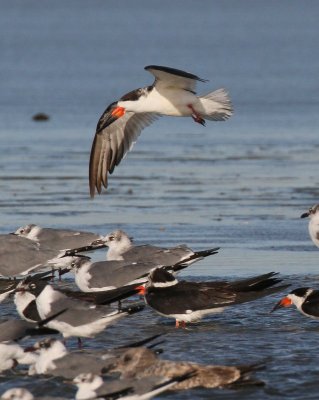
(175, 71)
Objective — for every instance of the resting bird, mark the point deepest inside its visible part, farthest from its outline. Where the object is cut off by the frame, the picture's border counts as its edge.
(121, 247)
(191, 301)
(172, 93)
(140, 363)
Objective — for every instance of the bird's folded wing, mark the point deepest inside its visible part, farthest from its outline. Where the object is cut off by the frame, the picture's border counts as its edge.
(111, 144)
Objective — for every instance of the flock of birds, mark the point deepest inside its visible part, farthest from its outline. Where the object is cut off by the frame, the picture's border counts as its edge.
(32, 256)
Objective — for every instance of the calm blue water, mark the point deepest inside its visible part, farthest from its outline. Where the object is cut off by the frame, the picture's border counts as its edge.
(240, 185)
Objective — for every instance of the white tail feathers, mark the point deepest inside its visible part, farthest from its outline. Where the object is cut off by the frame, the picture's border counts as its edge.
(216, 105)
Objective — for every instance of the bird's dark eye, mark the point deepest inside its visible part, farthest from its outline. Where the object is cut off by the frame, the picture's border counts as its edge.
(127, 358)
(111, 238)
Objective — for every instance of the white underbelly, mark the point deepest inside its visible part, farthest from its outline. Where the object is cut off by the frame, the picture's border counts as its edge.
(171, 102)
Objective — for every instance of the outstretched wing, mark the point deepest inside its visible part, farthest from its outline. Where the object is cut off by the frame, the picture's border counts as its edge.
(170, 77)
(113, 139)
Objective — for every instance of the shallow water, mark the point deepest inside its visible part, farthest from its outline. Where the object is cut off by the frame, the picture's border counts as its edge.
(241, 185)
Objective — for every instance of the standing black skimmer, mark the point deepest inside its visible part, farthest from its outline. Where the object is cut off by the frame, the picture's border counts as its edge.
(121, 247)
(305, 299)
(172, 93)
(140, 363)
(313, 227)
(81, 319)
(191, 301)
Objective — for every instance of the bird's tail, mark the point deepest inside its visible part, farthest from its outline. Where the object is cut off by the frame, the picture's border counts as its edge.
(245, 376)
(216, 105)
(194, 257)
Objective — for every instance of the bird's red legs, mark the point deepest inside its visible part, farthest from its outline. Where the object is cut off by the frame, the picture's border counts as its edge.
(80, 343)
(181, 324)
(196, 117)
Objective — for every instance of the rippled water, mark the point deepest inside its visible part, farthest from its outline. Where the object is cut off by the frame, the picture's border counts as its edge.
(240, 185)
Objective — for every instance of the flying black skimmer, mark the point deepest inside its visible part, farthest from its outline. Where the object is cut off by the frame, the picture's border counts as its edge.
(56, 239)
(305, 299)
(121, 247)
(172, 93)
(92, 386)
(313, 227)
(139, 363)
(191, 301)
(81, 318)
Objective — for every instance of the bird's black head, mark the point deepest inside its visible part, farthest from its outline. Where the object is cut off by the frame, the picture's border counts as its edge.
(159, 277)
(300, 292)
(312, 210)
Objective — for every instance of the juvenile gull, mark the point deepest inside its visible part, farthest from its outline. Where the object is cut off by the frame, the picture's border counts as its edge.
(139, 363)
(172, 93)
(191, 301)
(313, 226)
